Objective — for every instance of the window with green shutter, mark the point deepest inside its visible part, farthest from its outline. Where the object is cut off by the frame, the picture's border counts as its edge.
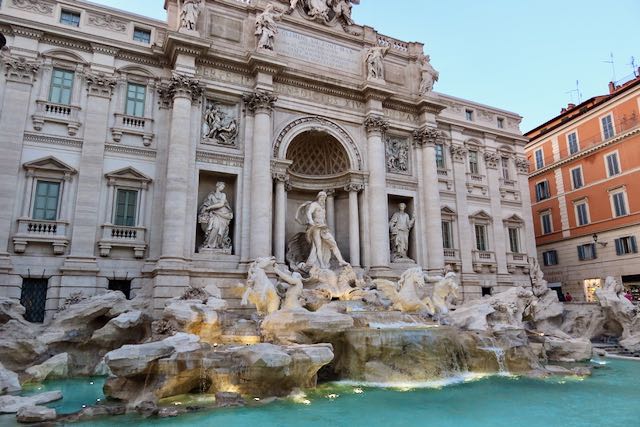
(136, 95)
(45, 205)
(126, 207)
(61, 86)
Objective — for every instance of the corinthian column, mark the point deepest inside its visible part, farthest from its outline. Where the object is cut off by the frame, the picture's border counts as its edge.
(183, 91)
(260, 103)
(282, 182)
(354, 224)
(20, 75)
(377, 192)
(427, 138)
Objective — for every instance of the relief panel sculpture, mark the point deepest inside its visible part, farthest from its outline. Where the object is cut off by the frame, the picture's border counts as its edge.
(397, 151)
(219, 126)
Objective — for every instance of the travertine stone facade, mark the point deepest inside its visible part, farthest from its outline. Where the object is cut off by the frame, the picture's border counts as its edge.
(111, 144)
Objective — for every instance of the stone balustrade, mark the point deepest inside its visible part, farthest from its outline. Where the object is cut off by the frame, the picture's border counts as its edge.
(56, 113)
(484, 260)
(133, 125)
(39, 231)
(124, 237)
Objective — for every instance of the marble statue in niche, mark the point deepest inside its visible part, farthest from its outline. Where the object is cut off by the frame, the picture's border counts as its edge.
(215, 216)
(189, 14)
(266, 27)
(397, 151)
(399, 227)
(429, 76)
(218, 126)
(375, 62)
(313, 215)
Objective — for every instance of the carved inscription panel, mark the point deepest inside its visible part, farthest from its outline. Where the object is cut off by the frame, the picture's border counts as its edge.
(320, 52)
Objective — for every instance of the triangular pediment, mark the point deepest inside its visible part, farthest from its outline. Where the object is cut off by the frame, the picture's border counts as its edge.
(446, 210)
(514, 219)
(481, 215)
(49, 164)
(128, 173)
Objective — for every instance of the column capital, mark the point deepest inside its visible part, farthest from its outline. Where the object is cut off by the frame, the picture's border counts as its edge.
(20, 69)
(282, 177)
(353, 187)
(376, 124)
(180, 86)
(522, 165)
(427, 136)
(331, 192)
(259, 100)
(458, 152)
(491, 159)
(100, 84)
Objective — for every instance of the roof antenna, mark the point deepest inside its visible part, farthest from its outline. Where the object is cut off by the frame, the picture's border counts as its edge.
(613, 66)
(577, 92)
(634, 67)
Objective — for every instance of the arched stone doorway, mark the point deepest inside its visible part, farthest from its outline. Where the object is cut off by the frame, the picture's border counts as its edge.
(313, 159)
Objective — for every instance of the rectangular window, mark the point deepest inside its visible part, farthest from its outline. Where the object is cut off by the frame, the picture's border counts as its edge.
(582, 214)
(572, 142)
(126, 207)
(539, 159)
(440, 163)
(69, 17)
(469, 115)
(542, 191)
(123, 286)
(545, 220)
(447, 235)
(136, 95)
(576, 178)
(33, 297)
(481, 238)
(142, 35)
(61, 86)
(473, 162)
(626, 245)
(506, 174)
(587, 252)
(514, 240)
(45, 205)
(613, 165)
(607, 127)
(619, 204)
(550, 258)
(500, 123)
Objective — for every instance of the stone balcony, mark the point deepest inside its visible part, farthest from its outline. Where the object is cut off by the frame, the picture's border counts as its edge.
(39, 231)
(116, 236)
(56, 113)
(484, 260)
(452, 259)
(517, 260)
(132, 125)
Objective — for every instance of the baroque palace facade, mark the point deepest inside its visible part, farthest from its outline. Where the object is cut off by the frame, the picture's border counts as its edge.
(149, 156)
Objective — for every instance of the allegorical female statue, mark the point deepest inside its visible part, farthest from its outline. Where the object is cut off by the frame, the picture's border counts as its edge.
(323, 245)
(214, 217)
(399, 226)
(266, 28)
(189, 14)
(375, 62)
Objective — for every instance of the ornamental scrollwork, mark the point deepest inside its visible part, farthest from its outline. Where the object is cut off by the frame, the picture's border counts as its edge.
(522, 165)
(259, 100)
(458, 152)
(180, 85)
(20, 69)
(491, 159)
(427, 136)
(100, 84)
(375, 123)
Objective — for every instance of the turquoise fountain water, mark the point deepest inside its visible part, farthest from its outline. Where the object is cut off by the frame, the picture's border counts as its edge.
(608, 398)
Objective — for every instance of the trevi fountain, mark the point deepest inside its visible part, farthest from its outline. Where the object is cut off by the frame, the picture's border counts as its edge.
(328, 300)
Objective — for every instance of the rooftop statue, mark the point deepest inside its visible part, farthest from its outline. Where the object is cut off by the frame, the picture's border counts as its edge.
(375, 62)
(189, 14)
(325, 11)
(428, 75)
(266, 27)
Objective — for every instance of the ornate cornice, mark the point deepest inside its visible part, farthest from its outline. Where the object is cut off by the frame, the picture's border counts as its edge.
(49, 139)
(107, 50)
(100, 84)
(376, 124)
(26, 32)
(259, 100)
(132, 151)
(181, 86)
(491, 159)
(234, 160)
(427, 136)
(67, 43)
(20, 70)
(354, 186)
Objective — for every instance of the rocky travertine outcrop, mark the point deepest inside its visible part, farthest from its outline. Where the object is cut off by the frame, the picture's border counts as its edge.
(182, 364)
(619, 310)
(35, 414)
(301, 326)
(9, 381)
(55, 367)
(12, 404)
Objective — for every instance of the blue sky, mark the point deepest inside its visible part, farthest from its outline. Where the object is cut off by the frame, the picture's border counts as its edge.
(520, 55)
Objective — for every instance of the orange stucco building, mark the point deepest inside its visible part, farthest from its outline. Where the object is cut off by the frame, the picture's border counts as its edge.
(584, 177)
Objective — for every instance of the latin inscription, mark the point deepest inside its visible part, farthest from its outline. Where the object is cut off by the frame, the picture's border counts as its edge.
(318, 51)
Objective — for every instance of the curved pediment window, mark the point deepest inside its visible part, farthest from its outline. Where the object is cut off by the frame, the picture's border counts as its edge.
(316, 153)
